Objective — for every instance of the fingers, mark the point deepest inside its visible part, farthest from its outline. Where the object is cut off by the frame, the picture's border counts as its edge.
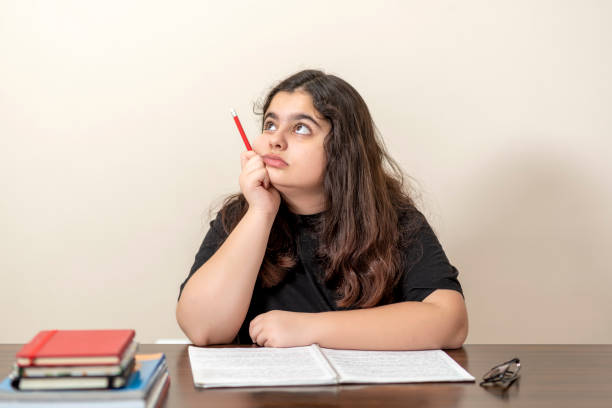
(255, 329)
(251, 162)
(266, 180)
(261, 340)
(254, 167)
(258, 336)
(245, 157)
(260, 177)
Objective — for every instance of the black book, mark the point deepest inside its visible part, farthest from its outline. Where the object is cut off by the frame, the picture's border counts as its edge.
(72, 382)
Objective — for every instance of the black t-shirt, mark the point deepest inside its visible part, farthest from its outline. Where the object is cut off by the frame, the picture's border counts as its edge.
(426, 268)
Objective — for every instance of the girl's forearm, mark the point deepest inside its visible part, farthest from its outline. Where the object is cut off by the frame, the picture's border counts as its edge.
(398, 326)
(216, 298)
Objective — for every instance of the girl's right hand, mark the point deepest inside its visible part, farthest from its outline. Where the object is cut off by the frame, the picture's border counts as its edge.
(256, 186)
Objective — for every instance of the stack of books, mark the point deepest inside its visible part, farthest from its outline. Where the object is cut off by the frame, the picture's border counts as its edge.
(70, 368)
(75, 359)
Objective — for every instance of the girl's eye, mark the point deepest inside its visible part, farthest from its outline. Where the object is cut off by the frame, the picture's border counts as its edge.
(302, 129)
(269, 126)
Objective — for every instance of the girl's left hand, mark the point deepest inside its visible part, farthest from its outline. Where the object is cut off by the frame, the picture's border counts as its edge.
(278, 328)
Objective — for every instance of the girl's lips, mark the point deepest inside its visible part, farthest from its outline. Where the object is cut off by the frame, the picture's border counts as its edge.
(274, 161)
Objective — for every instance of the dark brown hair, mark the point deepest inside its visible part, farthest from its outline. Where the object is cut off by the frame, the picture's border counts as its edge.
(360, 236)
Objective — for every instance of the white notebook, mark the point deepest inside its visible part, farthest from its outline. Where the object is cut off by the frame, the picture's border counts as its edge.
(314, 365)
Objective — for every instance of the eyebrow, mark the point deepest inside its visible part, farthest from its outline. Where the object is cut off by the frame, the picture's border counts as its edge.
(296, 116)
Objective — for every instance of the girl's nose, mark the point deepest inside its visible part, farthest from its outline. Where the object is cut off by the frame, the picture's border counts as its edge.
(277, 140)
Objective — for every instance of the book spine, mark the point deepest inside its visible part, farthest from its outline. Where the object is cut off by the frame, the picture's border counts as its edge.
(128, 343)
(163, 393)
(27, 354)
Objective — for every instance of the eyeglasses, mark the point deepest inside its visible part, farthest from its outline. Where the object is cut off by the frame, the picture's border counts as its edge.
(502, 375)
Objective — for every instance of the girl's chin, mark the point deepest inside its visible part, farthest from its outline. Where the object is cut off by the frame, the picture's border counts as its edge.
(283, 187)
(278, 185)
(290, 189)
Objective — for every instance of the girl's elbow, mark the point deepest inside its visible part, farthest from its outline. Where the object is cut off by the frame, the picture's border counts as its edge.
(199, 340)
(205, 338)
(196, 335)
(458, 336)
(455, 343)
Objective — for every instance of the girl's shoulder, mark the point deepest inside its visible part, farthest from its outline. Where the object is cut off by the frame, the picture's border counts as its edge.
(232, 210)
(412, 226)
(409, 215)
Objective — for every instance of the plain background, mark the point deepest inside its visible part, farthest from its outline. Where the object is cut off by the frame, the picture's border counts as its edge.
(116, 141)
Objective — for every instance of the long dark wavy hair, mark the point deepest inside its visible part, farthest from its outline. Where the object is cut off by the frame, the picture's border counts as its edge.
(360, 237)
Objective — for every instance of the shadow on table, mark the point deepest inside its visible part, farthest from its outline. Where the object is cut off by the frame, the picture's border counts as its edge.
(505, 393)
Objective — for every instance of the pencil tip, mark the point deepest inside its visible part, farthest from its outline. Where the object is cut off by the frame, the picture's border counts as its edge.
(233, 112)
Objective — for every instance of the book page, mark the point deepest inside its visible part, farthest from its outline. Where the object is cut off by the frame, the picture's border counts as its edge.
(357, 366)
(253, 367)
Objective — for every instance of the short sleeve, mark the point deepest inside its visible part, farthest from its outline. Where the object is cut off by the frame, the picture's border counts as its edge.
(426, 268)
(213, 239)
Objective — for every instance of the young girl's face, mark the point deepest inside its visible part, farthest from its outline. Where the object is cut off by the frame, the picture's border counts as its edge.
(291, 143)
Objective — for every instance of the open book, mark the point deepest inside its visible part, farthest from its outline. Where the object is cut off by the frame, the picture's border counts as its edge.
(314, 365)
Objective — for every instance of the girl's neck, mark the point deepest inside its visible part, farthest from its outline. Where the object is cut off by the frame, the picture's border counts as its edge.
(304, 204)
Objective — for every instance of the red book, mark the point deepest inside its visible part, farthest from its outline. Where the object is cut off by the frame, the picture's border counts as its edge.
(75, 347)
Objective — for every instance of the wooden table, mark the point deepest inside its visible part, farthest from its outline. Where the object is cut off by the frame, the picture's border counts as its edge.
(551, 376)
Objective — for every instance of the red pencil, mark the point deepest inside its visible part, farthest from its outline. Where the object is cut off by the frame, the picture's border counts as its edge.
(241, 130)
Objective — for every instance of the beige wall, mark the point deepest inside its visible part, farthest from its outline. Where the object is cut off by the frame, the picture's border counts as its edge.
(115, 138)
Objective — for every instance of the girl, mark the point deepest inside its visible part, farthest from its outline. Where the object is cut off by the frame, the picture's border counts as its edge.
(323, 245)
